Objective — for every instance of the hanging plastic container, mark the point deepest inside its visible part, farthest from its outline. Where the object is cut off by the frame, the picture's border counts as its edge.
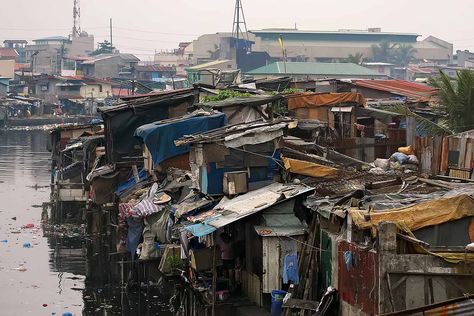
(277, 302)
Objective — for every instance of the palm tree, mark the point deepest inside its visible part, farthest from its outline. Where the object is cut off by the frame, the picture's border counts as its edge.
(357, 58)
(404, 54)
(383, 52)
(457, 97)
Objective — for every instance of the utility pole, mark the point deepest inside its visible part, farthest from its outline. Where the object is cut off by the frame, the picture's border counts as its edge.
(111, 38)
(76, 15)
(239, 20)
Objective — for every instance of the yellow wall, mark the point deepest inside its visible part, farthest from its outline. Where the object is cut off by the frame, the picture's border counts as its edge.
(7, 68)
(94, 90)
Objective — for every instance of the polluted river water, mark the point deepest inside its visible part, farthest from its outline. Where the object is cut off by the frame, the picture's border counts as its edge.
(46, 273)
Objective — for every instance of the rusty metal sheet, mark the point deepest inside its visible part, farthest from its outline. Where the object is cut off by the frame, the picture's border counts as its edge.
(358, 285)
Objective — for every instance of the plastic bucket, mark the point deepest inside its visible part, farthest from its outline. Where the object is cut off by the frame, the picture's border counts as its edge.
(277, 302)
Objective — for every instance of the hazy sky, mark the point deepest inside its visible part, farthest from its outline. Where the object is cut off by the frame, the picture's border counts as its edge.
(143, 26)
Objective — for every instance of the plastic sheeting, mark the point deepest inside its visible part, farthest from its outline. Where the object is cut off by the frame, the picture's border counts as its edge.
(420, 215)
(159, 137)
(309, 100)
(308, 168)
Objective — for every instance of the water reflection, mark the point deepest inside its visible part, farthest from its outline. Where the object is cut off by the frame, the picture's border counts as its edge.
(65, 270)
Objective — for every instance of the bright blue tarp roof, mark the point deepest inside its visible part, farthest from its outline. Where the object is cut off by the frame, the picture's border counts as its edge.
(159, 136)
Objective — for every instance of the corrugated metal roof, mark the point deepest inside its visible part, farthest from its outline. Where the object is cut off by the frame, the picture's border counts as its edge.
(338, 32)
(231, 210)
(280, 231)
(8, 52)
(316, 69)
(210, 64)
(400, 87)
(153, 68)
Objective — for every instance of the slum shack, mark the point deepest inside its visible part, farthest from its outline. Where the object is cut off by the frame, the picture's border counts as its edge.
(388, 247)
(73, 149)
(245, 109)
(124, 151)
(160, 151)
(343, 121)
(230, 248)
(123, 119)
(141, 198)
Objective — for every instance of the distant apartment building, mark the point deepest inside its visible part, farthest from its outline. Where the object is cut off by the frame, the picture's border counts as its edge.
(464, 58)
(7, 62)
(325, 46)
(179, 59)
(109, 66)
(19, 46)
(58, 89)
(47, 53)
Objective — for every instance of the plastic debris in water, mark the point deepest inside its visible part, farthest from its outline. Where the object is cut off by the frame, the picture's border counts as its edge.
(21, 268)
(67, 314)
(4, 241)
(45, 305)
(30, 225)
(27, 245)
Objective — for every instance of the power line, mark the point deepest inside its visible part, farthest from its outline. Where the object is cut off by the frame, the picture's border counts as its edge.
(154, 32)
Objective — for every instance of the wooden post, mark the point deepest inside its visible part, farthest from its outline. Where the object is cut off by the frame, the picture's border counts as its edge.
(411, 131)
(214, 276)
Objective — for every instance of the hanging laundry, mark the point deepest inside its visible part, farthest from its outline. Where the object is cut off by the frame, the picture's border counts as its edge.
(349, 260)
(290, 269)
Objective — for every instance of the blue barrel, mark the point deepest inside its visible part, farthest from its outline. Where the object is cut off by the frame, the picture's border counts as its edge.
(277, 302)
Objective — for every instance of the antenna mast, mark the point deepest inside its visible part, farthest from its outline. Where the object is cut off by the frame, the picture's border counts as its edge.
(76, 14)
(239, 27)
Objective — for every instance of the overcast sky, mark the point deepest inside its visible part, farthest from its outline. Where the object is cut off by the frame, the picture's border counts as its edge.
(143, 26)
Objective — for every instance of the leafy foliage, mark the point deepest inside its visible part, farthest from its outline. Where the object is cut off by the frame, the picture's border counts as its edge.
(104, 47)
(404, 54)
(423, 124)
(225, 94)
(357, 58)
(399, 54)
(383, 52)
(457, 97)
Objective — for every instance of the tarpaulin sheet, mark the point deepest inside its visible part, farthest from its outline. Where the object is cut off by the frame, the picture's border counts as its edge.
(159, 137)
(122, 121)
(420, 215)
(308, 168)
(131, 182)
(310, 100)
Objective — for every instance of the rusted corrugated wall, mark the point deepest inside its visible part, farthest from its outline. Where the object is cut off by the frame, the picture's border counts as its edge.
(357, 281)
(437, 154)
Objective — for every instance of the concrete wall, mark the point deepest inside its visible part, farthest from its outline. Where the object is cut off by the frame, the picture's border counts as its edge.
(94, 90)
(319, 50)
(7, 68)
(106, 68)
(415, 290)
(81, 46)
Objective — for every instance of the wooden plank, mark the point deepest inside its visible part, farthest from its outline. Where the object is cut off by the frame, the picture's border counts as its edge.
(271, 264)
(444, 155)
(436, 183)
(436, 154)
(462, 151)
(294, 303)
(468, 159)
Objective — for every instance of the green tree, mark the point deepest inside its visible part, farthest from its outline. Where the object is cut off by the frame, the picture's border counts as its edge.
(104, 47)
(456, 95)
(404, 54)
(383, 52)
(357, 58)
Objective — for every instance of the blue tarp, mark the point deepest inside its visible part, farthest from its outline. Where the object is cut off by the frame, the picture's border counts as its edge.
(124, 186)
(159, 137)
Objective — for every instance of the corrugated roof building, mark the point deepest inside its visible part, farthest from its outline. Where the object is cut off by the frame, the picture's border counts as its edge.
(305, 71)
